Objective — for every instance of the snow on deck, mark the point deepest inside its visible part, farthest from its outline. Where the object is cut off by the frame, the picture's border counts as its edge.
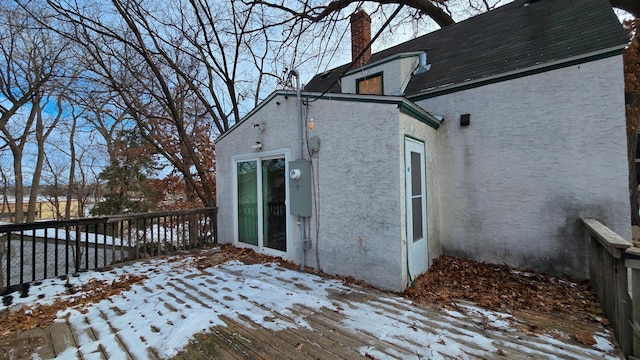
(264, 310)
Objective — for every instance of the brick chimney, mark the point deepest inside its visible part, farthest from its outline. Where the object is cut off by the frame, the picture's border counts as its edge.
(360, 37)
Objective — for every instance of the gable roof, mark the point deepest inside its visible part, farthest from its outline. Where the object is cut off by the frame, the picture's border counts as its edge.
(403, 105)
(511, 39)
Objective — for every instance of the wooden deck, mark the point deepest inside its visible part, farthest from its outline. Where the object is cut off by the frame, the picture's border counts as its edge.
(304, 332)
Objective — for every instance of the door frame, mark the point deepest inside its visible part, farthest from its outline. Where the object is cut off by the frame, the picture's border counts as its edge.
(417, 251)
(263, 155)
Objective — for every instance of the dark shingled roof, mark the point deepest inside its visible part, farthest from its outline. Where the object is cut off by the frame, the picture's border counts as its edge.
(510, 38)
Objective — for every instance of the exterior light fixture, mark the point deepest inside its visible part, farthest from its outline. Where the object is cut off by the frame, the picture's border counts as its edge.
(257, 146)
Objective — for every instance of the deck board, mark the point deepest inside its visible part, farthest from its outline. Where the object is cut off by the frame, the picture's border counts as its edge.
(330, 325)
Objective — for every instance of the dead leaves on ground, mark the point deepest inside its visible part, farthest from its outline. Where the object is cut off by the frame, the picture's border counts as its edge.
(585, 337)
(204, 259)
(78, 295)
(248, 256)
(26, 318)
(499, 287)
(545, 302)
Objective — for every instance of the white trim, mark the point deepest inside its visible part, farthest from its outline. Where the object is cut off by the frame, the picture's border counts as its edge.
(258, 157)
(418, 251)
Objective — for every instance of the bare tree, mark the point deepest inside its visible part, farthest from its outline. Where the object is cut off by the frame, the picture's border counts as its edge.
(34, 63)
(181, 72)
(184, 74)
(319, 11)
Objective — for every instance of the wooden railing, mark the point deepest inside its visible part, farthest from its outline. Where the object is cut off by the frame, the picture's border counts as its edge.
(40, 250)
(614, 272)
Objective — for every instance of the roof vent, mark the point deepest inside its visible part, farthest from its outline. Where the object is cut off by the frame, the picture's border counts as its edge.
(422, 64)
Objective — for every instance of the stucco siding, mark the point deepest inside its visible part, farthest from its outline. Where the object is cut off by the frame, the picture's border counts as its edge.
(540, 152)
(280, 133)
(359, 204)
(356, 185)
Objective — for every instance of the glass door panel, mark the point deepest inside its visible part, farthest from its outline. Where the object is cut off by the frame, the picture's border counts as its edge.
(273, 204)
(247, 174)
(416, 195)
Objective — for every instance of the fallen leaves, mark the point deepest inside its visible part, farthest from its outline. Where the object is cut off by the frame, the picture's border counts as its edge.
(543, 301)
(26, 318)
(499, 287)
(227, 252)
(585, 337)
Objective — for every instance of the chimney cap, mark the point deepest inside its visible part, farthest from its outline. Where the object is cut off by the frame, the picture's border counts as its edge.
(360, 12)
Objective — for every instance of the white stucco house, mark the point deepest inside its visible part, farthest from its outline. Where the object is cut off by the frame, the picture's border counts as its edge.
(488, 140)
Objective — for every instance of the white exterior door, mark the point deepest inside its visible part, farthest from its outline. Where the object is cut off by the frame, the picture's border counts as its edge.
(416, 203)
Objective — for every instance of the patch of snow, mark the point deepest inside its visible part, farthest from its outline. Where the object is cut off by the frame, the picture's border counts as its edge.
(492, 318)
(603, 343)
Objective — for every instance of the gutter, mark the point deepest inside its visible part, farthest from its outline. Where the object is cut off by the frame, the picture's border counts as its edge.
(514, 74)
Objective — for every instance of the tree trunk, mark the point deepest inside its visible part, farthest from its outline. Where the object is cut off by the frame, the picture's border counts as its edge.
(17, 173)
(72, 171)
(37, 173)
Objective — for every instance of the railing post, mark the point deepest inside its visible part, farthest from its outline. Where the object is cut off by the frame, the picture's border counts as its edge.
(633, 263)
(214, 225)
(193, 231)
(78, 254)
(608, 276)
(4, 250)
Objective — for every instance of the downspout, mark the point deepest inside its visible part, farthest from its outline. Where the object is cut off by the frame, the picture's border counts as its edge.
(301, 219)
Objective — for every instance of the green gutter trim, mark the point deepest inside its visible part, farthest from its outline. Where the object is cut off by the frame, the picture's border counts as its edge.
(404, 105)
(412, 110)
(518, 74)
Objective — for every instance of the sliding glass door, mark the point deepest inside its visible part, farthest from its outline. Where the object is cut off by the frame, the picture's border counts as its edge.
(261, 203)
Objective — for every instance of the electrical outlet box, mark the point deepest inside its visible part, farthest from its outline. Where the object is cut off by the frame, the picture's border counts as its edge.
(314, 143)
(300, 188)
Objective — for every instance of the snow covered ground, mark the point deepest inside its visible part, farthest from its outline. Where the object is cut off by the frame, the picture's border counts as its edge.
(177, 301)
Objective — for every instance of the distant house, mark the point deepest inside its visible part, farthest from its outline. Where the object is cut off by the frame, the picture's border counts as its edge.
(488, 140)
